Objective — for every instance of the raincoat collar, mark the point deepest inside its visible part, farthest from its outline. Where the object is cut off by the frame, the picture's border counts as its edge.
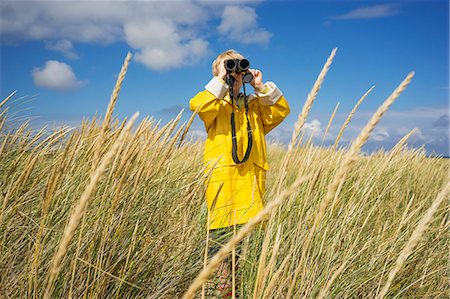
(250, 98)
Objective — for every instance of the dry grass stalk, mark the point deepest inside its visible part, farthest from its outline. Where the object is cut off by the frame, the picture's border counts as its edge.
(171, 128)
(329, 122)
(5, 142)
(344, 166)
(415, 238)
(401, 143)
(19, 133)
(205, 257)
(7, 98)
(324, 291)
(356, 147)
(274, 279)
(3, 118)
(23, 177)
(133, 240)
(303, 115)
(145, 229)
(3, 115)
(77, 254)
(53, 139)
(310, 100)
(80, 208)
(115, 94)
(110, 275)
(38, 136)
(272, 261)
(168, 148)
(262, 262)
(244, 231)
(186, 130)
(110, 109)
(233, 261)
(350, 116)
(349, 256)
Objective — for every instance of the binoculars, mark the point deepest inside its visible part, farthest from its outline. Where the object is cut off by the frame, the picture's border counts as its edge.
(239, 66)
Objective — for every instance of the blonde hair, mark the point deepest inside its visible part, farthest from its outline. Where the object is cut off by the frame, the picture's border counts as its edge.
(229, 54)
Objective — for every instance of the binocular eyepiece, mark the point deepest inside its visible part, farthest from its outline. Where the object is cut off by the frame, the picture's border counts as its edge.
(239, 66)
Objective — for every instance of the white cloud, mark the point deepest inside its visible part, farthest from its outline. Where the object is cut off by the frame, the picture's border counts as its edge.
(313, 127)
(56, 75)
(281, 134)
(239, 23)
(442, 121)
(160, 46)
(416, 137)
(395, 125)
(370, 12)
(380, 134)
(75, 21)
(64, 46)
(164, 34)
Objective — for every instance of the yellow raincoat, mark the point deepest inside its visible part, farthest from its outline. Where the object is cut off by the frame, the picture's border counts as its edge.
(234, 192)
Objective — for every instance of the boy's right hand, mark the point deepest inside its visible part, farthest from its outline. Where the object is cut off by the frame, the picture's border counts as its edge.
(222, 71)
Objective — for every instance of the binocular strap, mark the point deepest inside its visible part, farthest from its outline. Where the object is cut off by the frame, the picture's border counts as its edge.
(230, 81)
(233, 137)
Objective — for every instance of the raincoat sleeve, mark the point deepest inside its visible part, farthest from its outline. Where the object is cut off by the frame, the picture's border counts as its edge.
(207, 102)
(273, 105)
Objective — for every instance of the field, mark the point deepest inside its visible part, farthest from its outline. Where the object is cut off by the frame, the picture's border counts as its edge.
(116, 210)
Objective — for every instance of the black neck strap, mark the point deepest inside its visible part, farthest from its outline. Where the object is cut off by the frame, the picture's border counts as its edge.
(230, 82)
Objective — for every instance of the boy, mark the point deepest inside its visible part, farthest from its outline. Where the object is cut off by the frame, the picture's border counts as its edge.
(235, 190)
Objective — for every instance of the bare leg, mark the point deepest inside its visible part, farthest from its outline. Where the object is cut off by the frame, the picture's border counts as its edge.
(224, 278)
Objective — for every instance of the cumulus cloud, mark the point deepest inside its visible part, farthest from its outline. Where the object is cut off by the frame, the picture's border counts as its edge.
(380, 134)
(164, 35)
(442, 121)
(239, 23)
(160, 46)
(56, 75)
(281, 134)
(76, 21)
(416, 137)
(429, 129)
(370, 12)
(64, 46)
(313, 127)
(395, 124)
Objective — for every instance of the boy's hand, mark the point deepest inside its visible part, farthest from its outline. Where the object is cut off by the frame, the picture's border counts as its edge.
(222, 71)
(257, 83)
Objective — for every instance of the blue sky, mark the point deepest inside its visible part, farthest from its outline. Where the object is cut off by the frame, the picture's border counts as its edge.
(65, 57)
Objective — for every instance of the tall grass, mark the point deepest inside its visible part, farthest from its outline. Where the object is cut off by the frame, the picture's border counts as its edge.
(343, 225)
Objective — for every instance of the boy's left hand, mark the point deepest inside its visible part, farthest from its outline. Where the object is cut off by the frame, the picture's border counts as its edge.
(257, 83)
